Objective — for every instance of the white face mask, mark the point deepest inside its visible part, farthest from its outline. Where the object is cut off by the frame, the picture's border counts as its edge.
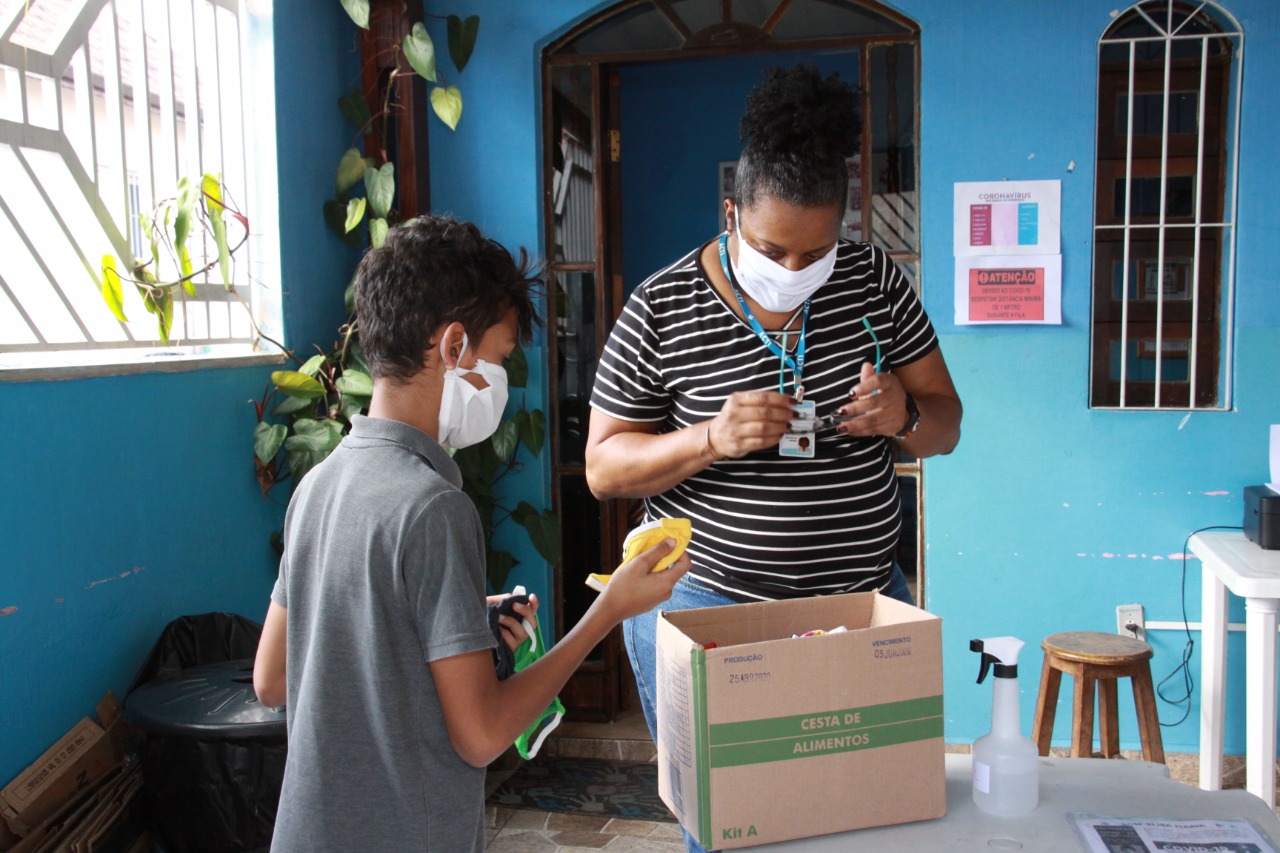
(469, 415)
(772, 285)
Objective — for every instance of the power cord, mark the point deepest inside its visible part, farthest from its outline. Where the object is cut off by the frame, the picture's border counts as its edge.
(1184, 666)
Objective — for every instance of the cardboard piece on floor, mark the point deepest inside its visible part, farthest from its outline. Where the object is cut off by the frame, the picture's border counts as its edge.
(79, 758)
(766, 737)
(106, 815)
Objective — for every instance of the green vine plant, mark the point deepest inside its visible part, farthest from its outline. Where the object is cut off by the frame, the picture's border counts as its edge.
(304, 413)
(197, 208)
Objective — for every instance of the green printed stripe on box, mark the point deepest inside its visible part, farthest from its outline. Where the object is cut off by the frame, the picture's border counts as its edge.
(826, 743)
(828, 722)
(702, 743)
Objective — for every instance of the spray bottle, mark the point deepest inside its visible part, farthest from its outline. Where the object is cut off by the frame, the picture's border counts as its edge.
(1006, 765)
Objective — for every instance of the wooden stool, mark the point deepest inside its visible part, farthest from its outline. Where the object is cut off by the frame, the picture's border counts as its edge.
(1093, 656)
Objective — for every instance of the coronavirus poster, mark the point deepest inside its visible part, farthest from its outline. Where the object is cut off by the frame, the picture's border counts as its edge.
(1008, 252)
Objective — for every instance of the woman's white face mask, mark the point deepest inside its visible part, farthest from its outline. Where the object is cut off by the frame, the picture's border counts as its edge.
(469, 415)
(774, 287)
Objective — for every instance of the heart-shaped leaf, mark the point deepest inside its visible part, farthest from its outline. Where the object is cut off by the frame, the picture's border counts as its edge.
(380, 189)
(505, 439)
(517, 366)
(267, 440)
(188, 194)
(377, 232)
(297, 384)
(533, 427)
(543, 528)
(351, 169)
(447, 103)
(211, 186)
(355, 212)
(317, 435)
(498, 566)
(355, 382)
(112, 289)
(355, 109)
(359, 12)
(462, 39)
(335, 216)
(289, 405)
(312, 366)
(420, 50)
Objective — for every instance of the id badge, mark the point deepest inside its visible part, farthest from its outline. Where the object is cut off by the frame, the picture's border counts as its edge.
(798, 441)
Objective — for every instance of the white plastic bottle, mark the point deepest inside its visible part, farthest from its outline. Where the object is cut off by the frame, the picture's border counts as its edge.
(1006, 765)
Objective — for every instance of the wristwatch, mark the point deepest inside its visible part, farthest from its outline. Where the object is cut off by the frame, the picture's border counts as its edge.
(913, 419)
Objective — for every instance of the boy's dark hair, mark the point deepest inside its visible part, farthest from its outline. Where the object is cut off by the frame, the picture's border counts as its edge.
(797, 131)
(430, 271)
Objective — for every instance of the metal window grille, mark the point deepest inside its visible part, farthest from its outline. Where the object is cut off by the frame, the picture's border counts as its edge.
(104, 106)
(1164, 229)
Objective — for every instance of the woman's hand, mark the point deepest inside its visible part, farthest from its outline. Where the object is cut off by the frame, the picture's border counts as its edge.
(877, 406)
(748, 421)
(513, 632)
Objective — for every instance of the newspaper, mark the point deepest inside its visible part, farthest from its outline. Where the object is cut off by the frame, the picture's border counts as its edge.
(1143, 835)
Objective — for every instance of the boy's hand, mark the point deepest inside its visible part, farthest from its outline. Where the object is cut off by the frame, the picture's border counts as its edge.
(513, 632)
(635, 589)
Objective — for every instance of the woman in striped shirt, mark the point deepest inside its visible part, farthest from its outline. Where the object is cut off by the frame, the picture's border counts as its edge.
(697, 391)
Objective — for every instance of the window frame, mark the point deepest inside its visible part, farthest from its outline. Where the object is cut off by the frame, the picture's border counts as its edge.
(1201, 325)
(74, 59)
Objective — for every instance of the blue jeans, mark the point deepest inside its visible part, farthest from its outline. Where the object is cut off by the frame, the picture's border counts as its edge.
(641, 633)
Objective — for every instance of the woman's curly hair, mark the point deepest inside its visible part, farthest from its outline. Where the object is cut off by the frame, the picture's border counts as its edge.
(797, 130)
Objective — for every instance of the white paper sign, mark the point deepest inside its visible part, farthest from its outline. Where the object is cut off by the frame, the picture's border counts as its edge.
(1009, 289)
(1008, 218)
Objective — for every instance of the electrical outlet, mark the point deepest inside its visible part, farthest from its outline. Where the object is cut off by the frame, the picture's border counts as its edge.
(1131, 615)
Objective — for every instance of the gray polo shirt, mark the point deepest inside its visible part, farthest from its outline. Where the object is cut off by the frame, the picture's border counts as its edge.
(383, 571)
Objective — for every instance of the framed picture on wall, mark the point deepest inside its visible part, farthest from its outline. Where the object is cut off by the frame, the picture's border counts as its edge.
(727, 170)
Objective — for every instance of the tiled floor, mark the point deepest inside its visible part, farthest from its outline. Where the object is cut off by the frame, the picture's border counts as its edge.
(521, 831)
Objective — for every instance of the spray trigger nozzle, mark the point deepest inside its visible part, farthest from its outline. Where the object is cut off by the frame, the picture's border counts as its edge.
(1002, 652)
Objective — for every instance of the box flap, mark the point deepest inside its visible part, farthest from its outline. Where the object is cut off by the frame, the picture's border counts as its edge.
(757, 622)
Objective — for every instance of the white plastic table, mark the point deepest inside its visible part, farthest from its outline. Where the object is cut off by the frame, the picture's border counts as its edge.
(1232, 562)
(1101, 786)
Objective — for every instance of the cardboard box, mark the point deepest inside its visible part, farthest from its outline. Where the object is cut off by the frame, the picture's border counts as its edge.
(766, 737)
(79, 758)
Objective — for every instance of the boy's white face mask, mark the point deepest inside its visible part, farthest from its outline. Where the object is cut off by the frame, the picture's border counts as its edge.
(469, 415)
(774, 287)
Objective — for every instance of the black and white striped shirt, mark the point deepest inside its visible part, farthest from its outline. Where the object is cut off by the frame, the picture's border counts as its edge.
(766, 526)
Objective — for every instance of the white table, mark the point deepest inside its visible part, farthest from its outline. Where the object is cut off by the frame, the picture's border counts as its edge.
(1111, 787)
(1232, 562)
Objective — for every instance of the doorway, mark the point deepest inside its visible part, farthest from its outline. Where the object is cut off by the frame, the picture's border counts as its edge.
(640, 119)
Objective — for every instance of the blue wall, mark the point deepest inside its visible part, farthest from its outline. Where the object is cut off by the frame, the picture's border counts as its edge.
(131, 500)
(1049, 514)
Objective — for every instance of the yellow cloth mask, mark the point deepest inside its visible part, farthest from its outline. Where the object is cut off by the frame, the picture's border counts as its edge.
(645, 537)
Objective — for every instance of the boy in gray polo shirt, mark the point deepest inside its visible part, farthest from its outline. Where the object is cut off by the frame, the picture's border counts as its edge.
(376, 637)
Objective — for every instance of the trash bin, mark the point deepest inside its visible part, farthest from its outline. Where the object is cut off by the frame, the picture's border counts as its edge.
(212, 757)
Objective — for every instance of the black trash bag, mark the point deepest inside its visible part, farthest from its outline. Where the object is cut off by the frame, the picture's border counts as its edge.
(211, 780)
(196, 640)
(213, 795)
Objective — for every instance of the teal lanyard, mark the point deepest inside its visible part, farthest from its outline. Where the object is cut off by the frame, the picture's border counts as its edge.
(796, 364)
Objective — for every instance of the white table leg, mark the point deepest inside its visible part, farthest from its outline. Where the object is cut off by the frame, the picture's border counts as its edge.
(1213, 660)
(1260, 694)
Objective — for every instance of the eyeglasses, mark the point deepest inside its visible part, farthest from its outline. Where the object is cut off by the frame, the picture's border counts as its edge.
(834, 419)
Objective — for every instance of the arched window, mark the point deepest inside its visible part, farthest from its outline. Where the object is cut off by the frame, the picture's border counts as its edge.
(1164, 208)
